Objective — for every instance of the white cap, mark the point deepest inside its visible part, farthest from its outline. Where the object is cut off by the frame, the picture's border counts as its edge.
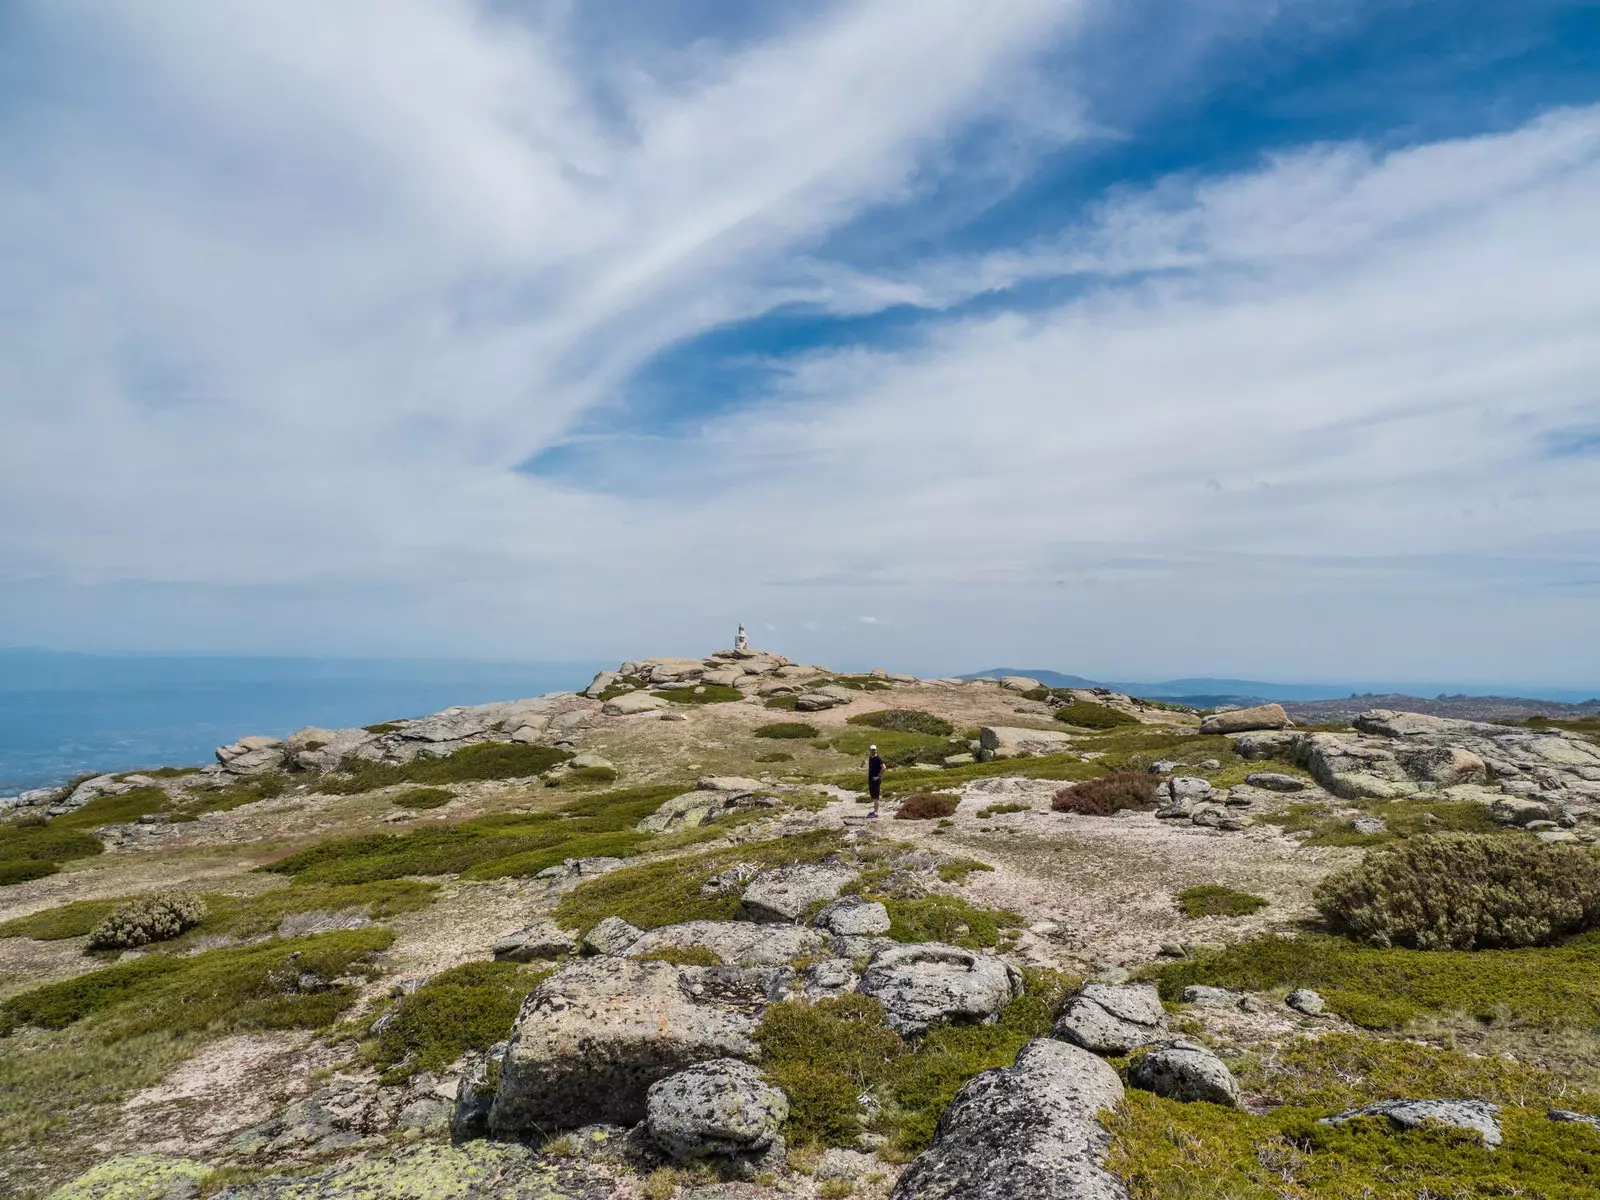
(871, 747)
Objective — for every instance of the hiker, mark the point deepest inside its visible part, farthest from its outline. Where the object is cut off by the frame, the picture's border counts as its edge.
(874, 776)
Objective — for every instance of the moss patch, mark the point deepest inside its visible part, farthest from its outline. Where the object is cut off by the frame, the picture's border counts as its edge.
(470, 1007)
(703, 693)
(1214, 900)
(488, 847)
(422, 798)
(797, 730)
(1404, 818)
(1387, 988)
(948, 919)
(492, 760)
(1086, 714)
(904, 720)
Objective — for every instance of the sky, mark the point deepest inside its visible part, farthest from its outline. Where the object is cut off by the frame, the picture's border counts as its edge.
(1134, 339)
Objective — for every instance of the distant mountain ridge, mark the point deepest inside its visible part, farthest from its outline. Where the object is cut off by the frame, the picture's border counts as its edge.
(1207, 692)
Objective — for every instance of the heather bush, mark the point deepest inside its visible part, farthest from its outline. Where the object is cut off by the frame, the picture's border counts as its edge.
(1087, 715)
(1106, 794)
(156, 918)
(925, 806)
(1455, 891)
(905, 720)
(786, 729)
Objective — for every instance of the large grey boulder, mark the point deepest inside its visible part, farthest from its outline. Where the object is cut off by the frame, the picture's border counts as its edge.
(924, 982)
(591, 1039)
(1480, 1116)
(819, 700)
(717, 1109)
(1187, 1071)
(1029, 1130)
(787, 893)
(1246, 720)
(1113, 1018)
(1276, 781)
(736, 943)
(853, 916)
(251, 755)
(632, 704)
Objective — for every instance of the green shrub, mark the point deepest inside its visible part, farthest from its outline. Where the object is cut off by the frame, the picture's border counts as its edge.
(383, 727)
(1388, 988)
(250, 987)
(786, 729)
(1087, 715)
(1404, 818)
(422, 798)
(668, 891)
(63, 921)
(683, 956)
(824, 1056)
(702, 693)
(927, 806)
(1462, 892)
(266, 786)
(905, 720)
(25, 870)
(782, 703)
(470, 1007)
(157, 918)
(856, 683)
(948, 919)
(115, 810)
(490, 760)
(595, 776)
(1214, 900)
(1107, 794)
(48, 843)
(171, 772)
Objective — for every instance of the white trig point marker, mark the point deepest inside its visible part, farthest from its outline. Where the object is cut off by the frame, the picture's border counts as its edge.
(741, 640)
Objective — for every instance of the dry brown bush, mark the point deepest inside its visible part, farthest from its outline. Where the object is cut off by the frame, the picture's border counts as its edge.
(1106, 794)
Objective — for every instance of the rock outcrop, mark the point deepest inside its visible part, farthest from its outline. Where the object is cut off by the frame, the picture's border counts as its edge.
(1243, 720)
(736, 943)
(1186, 1071)
(924, 982)
(1009, 741)
(1479, 1116)
(1028, 1130)
(722, 1109)
(1113, 1018)
(590, 1040)
(788, 893)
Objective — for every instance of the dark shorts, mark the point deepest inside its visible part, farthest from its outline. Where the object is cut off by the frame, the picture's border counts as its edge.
(874, 786)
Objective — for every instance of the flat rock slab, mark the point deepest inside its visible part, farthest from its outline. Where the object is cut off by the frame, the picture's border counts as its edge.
(1029, 1130)
(924, 982)
(1480, 1116)
(1245, 720)
(475, 1171)
(788, 893)
(1011, 741)
(853, 916)
(736, 943)
(591, 1039)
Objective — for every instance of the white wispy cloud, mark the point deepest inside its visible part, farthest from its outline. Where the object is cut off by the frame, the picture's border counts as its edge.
(290, 294)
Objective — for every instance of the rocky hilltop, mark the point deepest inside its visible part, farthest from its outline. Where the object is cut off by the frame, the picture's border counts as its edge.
(653, 940)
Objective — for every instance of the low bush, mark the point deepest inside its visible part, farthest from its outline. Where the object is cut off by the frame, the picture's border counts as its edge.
(1389, 988)
(825, 1056)
(905, 720)
(1456, 891)
(250, 987)
(786, 729)
(1088, 715)
(949, 919)
(490, 847)
(1214, 900)
(470, 1007)
(701, 693)
(1107, 794)
(782, 703)
(115, 810)
(422, 798)
(593, 776)
(490, 760)
(1403, 818)
(383, 727)
(776, 756)
(25, 870)
(157, 918)
(927, 806)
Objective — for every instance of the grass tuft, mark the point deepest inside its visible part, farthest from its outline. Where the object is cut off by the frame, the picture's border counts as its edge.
(470, 1007)
(904, 720)
(797, 730)
(491, 760)
(1214, 900)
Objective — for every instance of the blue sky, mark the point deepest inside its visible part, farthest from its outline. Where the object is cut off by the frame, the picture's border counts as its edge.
(1251, 338)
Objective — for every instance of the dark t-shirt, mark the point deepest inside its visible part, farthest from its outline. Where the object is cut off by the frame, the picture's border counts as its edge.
(874, 767)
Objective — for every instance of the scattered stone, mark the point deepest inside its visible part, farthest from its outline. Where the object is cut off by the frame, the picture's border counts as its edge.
(611, 936)
(1113, 1019)
(718, 1109)
(853, 916)
(1187, 1071)
(1370, 825)
(1274, 781)
(787, 893)
(1006, 741)
(1028, 1130)
(1567, 1115)
(1211, 997)
(534, 941)
(736, 943)
(1479, 1116)
(1189, 787)
(924, 982)
(1306, 1001)
(1557, 835)
(593, 1037)
(1245, 720)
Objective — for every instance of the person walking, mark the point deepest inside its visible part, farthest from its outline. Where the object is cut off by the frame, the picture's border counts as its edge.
(874, 777)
